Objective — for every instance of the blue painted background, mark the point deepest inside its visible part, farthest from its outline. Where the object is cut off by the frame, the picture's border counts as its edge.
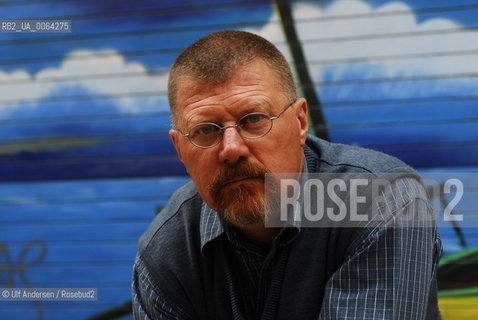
(85, 161)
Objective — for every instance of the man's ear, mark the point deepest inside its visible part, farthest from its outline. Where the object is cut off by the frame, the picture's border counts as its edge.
(302, 117)
(174, 136)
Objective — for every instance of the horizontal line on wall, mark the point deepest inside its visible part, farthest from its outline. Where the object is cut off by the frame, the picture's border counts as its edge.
(128, 54)
(372, 15)
(52, 284)
(88, 118)
(89, 160)
(57, 306)
(163, 93)
(69, 246)
(83, 97)
(62, 201)
(170, 10)
(100, 138)
(454, 236)
(395, 101)
(107, 76)
(79, 222)
(421, 145)
(390, 35)
(398, 79)
(35, 2)
(410, 123)
(87, 77)
(66, 242)
(371, 59)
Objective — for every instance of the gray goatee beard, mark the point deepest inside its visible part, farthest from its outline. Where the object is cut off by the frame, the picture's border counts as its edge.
(240, 203)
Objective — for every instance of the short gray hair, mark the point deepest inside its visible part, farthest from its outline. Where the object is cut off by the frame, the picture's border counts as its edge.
(215, 58)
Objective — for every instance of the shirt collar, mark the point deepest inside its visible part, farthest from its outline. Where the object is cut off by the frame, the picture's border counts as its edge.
(296, 223)
(210, 226)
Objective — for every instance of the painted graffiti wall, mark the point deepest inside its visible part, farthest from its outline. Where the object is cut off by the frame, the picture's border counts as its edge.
(85, 158)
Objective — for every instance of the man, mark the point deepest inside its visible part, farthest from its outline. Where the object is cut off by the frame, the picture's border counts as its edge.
(210, 254)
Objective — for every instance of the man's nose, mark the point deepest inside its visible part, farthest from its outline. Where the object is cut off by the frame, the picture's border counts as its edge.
(233, 146)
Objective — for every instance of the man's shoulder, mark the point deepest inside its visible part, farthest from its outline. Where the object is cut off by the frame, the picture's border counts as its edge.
(169, 227)
(336, 157)
(168, 255)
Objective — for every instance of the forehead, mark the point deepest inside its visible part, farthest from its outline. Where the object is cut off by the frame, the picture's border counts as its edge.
(254, 84)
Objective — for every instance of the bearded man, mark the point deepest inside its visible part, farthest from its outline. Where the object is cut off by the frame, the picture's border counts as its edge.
(210, 253)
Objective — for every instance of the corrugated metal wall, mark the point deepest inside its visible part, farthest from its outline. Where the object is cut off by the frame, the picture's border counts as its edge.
(399, 78)
(85, 160)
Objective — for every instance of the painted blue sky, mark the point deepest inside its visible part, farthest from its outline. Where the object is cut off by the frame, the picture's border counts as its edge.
(100, 18)
(108, 66)
(118, 25)
(91, 105)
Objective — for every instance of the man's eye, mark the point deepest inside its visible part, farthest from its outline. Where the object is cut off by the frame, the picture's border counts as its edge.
(205, 130)
(252, 119)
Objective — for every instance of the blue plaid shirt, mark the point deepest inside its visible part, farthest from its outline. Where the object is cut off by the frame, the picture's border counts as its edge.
(383, 272)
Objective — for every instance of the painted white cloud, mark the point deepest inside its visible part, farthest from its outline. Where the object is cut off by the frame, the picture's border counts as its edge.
(85, 65)
(329, 35)
(336, 49)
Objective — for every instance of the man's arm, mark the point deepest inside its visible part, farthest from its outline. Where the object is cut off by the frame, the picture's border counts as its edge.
(148, 303)
(391, 271)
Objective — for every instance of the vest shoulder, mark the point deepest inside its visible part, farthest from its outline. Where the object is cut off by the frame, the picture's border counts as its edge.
(336, 157)
(170, 224)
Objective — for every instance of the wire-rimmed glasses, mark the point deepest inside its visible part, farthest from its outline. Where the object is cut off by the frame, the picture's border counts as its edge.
(251, 126)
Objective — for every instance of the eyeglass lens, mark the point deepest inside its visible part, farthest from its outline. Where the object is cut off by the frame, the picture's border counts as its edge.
(251, 126)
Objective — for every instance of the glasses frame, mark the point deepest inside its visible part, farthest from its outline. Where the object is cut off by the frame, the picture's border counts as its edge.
(237, 126)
